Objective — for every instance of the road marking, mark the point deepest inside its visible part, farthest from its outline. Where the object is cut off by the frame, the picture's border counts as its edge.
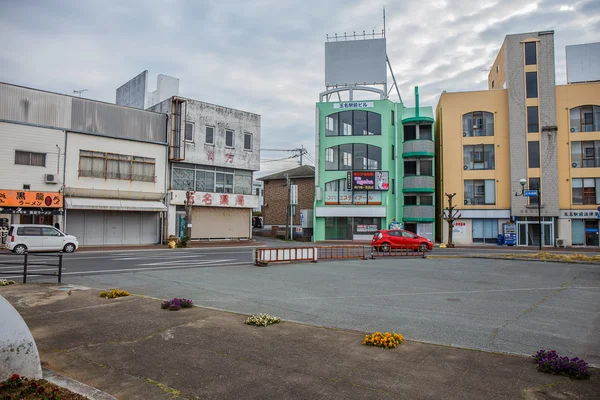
(442, 293)
(237, 264)
(185, 261)
(162, 257)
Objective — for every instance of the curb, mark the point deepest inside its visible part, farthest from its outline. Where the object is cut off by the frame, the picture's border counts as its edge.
(520, 259)
(75, 386)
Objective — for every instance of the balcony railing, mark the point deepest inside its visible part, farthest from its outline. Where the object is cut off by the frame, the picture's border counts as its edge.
(418, 213)
(418, 183)
(418, 148)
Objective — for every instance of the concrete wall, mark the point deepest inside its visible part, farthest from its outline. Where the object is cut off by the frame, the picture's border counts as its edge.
(221, 119)
(133, 93)
(166, 87)
(113, 188)
(28, 138)
(18, 352)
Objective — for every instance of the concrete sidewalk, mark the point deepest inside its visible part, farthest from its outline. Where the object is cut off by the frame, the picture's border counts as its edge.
(132, 349)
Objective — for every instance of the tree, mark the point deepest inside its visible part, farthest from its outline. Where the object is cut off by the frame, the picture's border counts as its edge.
(450, 215)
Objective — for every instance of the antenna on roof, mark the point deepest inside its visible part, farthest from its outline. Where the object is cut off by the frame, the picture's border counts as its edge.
(79, 91)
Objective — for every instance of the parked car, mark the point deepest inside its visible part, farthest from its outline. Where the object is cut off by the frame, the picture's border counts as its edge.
(23, 238)
(385, 240)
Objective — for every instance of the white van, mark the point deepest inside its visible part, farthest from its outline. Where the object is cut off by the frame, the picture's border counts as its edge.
(23, 238)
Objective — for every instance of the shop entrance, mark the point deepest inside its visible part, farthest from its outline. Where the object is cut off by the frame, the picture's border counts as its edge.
(36, 219)
(591, 232)
(528, 232)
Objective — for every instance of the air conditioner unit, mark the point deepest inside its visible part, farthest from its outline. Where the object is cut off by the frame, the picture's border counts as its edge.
(466, 166)
(575, 164)
(465, 134)
(560, 242)
(573, 130)
(50, 178)
(467, 202)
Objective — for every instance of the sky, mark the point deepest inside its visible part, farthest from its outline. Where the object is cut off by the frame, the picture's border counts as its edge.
(267, 56)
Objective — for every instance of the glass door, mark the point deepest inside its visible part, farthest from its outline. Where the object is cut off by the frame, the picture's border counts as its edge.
(591, 232)
(522, 236)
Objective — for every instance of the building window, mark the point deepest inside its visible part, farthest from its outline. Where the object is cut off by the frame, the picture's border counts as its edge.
(353, 156)
(228, 138)
(426, 200)
(211, 179)
(353, 123)
(30, 158)
(189, 131)
(497, 68)
(533, 154)
(530, 53)
(393, 118)
(584, 190)
(480, 192)
(421, 167)
(410, 200)
(485, 230)
(337, 192)
(479, 156)
(531, 85)
(533, 124)
(210, 135)
(478, 123)
(248, 141)
(410, 132)
(94, 164)
(424, 132)
(585, 119)
(534, 183)
(393, 152)
(585, 154)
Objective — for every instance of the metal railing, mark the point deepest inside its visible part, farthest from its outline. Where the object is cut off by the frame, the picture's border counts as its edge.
(339, 252)
(263, 256)
(26, 263)
(405, 251)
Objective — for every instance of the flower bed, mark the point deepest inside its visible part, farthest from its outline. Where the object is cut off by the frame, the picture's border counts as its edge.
(386, 340)
(17, 387)
(176, 304)
(262, 320)
(550, 362)
(111, 294)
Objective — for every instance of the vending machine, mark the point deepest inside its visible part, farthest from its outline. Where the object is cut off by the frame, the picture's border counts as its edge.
(510, 233)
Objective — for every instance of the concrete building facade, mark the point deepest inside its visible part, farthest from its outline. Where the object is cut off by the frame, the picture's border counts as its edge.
(93, 168)
(523, 127)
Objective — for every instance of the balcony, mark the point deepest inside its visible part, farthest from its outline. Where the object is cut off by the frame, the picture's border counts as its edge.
(418, 184)
(418, 214)
(418, 148)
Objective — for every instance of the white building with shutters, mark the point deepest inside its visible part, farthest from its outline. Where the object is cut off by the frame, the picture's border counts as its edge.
(102, 166)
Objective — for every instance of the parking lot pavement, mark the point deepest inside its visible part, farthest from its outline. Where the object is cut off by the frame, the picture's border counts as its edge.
(497, 305)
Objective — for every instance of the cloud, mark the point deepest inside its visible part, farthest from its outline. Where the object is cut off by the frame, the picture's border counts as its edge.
(267, 56)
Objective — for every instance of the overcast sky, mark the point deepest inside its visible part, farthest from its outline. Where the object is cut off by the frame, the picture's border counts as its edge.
(267, 56)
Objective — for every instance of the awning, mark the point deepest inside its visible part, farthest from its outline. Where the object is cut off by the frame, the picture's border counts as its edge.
(81, 203)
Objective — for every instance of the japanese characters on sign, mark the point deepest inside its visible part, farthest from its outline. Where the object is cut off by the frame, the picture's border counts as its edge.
(219, 199)
(368, 180)
(356, 198)
(354, 104)
(579, 214)
(366, 228)
(23, 198)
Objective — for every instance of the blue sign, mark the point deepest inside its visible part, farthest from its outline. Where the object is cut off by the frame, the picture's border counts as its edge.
(530, 193)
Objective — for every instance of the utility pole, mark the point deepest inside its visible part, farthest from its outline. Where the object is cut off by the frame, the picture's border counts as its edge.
(189, 201)
(288, 214)
(301, 154)
(450, 218)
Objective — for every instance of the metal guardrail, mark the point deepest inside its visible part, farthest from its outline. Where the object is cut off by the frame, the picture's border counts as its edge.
(340, 252)
(27, 263)
(264, 256)
(406, 251)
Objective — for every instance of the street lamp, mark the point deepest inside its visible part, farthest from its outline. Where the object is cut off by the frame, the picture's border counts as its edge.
(533, 193)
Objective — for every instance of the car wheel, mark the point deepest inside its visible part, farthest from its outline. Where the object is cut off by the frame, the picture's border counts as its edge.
(69, 248)
(20, 249)
(385, 247)
(423, 247)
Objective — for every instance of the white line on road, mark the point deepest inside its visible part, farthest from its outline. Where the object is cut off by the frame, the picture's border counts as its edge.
(147, 269)
(186, 261)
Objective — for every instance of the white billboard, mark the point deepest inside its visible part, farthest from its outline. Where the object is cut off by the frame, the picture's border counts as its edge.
(355, 62)
(583, 63)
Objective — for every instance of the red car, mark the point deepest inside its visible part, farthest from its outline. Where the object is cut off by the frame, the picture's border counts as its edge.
(385, 240)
